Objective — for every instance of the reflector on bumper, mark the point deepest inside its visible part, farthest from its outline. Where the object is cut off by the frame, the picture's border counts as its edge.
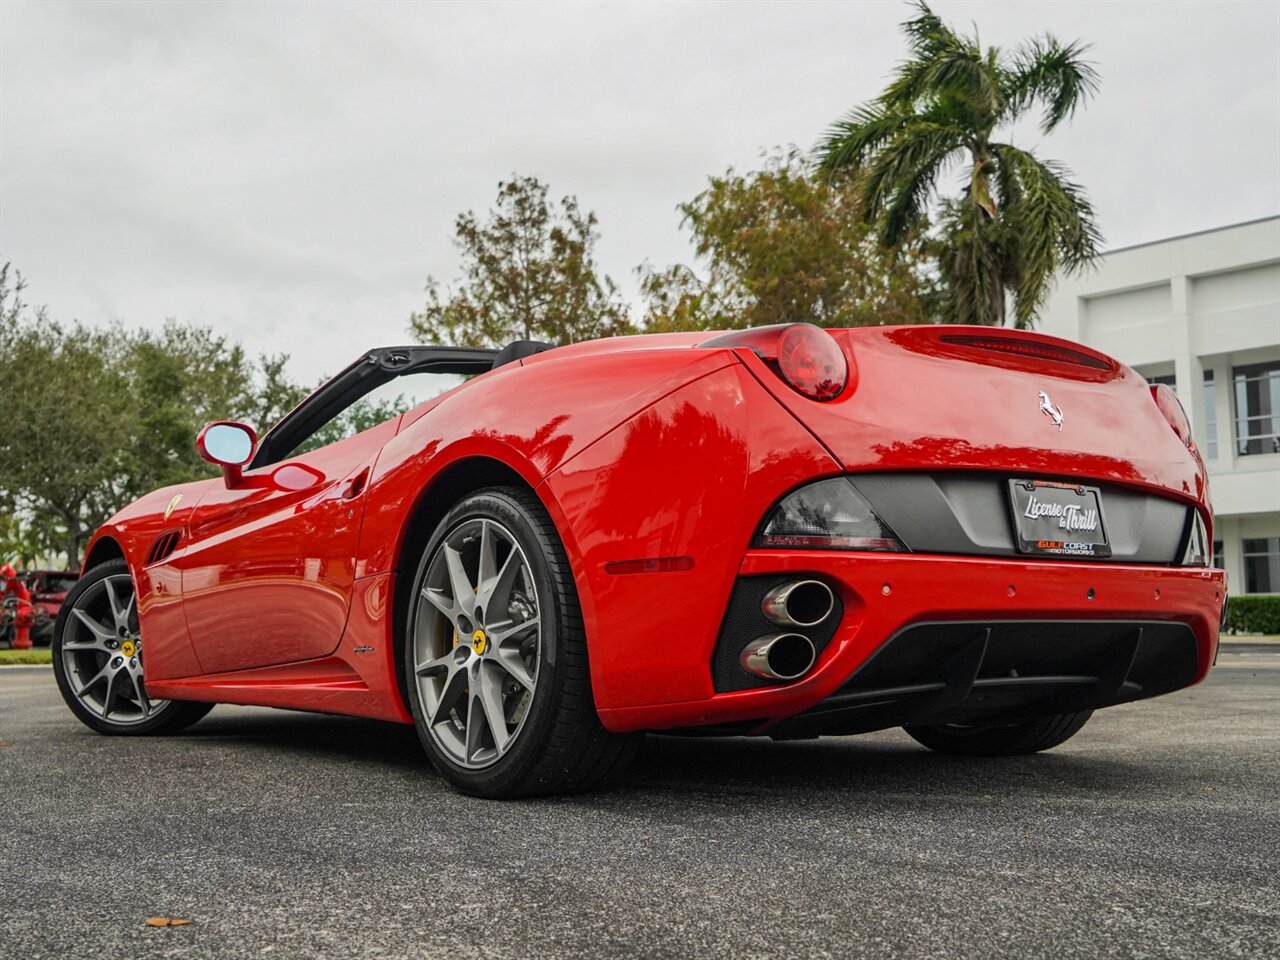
(1197, 552)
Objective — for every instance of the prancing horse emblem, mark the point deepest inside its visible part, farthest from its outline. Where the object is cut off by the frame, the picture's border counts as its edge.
(1050, 411)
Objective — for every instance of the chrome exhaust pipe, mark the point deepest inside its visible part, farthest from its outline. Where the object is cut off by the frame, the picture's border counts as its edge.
(801, 603)
(780, 656)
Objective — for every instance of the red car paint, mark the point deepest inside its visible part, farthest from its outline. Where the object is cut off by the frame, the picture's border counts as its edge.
(645, 448)
(49, 588)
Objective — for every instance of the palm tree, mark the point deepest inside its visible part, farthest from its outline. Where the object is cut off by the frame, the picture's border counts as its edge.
(1018, 219)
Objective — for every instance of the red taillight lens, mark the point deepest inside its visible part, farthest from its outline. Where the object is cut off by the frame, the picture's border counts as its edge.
(811, 361)
(1169, 404)
(807, 358)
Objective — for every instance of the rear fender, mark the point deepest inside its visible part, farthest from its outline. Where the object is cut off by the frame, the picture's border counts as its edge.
(688, 477)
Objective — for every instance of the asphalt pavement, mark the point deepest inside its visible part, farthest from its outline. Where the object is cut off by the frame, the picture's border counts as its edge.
(1155, 832)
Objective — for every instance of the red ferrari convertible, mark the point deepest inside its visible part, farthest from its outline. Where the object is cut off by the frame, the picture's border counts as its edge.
(979, 534)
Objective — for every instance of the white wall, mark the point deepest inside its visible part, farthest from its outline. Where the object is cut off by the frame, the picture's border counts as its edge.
(1205, 301)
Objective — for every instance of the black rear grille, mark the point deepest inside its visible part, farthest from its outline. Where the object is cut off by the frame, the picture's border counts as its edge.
(165, 544)
(973, 671)
(744, 621)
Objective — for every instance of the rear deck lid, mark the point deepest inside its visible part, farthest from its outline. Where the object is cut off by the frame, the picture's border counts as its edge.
(981, 398)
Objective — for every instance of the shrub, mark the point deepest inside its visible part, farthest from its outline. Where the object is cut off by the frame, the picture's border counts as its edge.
(1254, 613)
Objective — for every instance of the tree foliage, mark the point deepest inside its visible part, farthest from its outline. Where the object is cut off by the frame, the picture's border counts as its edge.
(95, 417)
(528, 273)
(779, 245)
(1018, 219)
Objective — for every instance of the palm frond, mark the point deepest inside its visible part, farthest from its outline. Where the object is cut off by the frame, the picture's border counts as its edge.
(1044, 70)
(850, 140)
(943, 65)
(926, 32)
(902, 175)
(1052, 221)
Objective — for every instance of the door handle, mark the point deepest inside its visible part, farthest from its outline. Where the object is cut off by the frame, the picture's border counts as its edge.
(355, 486)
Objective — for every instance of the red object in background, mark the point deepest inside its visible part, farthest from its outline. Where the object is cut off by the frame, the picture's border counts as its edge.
(48, 591)
(16, 600)
(49, 588)
(651, 450)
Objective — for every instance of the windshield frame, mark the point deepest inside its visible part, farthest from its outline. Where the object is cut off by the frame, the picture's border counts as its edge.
(376, 367)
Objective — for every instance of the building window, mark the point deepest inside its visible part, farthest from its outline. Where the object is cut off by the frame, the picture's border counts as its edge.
(1210, 417)
(1217, 554)
(1262, 565)
(1257, 396)
(1170, 380)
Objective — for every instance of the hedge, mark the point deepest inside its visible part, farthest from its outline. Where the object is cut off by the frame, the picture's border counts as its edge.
(1254, 613)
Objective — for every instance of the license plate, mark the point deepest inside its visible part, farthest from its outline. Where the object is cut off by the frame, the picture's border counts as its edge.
(1059, 519)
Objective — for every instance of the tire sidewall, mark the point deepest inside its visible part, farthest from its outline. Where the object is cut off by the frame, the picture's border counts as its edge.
(515, 765)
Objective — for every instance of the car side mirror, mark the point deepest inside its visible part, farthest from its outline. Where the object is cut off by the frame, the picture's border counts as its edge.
(230, 445)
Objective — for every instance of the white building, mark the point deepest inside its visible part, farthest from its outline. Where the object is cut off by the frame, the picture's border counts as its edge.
(1201, 313)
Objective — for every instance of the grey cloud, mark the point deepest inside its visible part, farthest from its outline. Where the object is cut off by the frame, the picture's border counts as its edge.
(289, 173)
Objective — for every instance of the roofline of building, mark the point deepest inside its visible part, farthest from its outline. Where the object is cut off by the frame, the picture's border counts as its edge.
(1193, 233)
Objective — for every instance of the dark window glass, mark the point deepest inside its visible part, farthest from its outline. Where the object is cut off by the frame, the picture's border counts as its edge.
(1256, 388)
(1262, 565)
(1217, 554)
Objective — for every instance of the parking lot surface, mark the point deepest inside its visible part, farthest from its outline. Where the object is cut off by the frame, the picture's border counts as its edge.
(1154, 832)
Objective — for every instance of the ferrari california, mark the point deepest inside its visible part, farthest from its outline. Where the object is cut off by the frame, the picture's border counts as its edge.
(981, 535)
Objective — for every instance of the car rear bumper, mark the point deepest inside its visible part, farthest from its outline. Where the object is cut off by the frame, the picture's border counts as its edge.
(969, 602)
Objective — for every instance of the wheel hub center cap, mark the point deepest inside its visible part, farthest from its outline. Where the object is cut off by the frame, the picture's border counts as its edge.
(128, 648)
(479, 641)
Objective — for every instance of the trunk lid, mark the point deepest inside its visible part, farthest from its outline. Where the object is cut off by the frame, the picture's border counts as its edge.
(981, 398)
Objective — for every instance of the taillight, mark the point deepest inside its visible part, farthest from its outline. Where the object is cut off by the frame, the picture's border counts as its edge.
(806, 358)
(1169, 404)
(827, 515)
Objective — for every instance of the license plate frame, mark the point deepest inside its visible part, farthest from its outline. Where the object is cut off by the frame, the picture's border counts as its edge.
(1052, 518)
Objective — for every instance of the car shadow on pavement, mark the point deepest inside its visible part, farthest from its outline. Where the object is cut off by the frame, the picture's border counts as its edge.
(290, 732)
(882, 764)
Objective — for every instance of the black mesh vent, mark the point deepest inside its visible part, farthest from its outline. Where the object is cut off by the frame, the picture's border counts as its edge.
(744, 621)
(165, 544)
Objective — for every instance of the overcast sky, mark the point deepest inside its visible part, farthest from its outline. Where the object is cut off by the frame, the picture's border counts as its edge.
(289, 173)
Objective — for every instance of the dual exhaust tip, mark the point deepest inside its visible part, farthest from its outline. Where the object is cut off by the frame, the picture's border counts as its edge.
(789, 656)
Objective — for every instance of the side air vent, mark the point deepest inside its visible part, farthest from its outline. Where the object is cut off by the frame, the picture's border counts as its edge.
(1010, 346)
(165, 544)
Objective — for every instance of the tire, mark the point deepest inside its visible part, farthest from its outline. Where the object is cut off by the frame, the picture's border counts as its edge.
(42, 636)
(501, 697)
(1043, 733)
(97, 660)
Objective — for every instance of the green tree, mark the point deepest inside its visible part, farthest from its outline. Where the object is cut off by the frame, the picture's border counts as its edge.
(780, 245)
(94, 418)
(65, 433)
(1018, 219)
(528, 273)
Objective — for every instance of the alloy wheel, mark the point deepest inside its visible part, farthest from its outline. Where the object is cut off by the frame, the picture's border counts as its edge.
(102, 653)
(477, 639)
